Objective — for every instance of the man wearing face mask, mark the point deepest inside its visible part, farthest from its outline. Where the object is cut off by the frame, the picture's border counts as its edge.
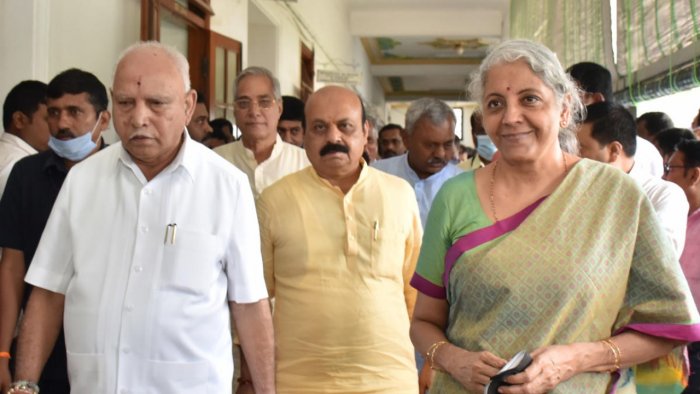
(77, 116)
(485, 148)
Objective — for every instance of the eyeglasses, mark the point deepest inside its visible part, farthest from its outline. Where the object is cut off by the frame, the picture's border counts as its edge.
(668, 168)
(245, 104)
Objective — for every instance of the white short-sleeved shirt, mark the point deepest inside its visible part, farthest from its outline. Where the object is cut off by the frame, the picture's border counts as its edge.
(147, 310)
(12, 148)
(669, 202)
(648, 158)
(425, 189)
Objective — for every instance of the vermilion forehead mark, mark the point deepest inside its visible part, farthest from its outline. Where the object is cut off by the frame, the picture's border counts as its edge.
(508, 88)
(138, 83)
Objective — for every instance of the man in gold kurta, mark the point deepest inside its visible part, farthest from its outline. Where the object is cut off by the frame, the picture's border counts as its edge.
(340, 242)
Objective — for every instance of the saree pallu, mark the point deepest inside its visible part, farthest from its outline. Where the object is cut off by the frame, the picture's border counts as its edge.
(588, 261)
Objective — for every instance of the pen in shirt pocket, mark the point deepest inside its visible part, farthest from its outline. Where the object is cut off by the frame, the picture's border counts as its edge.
(170, 230)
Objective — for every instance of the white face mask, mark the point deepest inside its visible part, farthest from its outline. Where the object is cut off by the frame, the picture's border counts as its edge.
(485, 147)
(75, 149)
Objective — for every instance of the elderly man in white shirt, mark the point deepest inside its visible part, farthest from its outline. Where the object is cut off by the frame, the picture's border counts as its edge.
(429, 139)
(141, 259)
(260, 153)
(608, 135)
(26, 128)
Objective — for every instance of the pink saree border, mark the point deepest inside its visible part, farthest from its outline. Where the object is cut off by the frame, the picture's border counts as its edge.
(484, 235)
(682, 332)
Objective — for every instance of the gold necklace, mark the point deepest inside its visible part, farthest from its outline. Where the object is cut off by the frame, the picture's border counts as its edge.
(493, 181)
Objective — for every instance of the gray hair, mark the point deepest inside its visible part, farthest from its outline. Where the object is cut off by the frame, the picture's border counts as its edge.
(260, 71)
(374, 125)
(544, 63)
(436, 111)
(179, 60)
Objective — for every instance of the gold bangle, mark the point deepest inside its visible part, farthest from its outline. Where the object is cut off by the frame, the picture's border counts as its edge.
(617, 355)
(430, 355)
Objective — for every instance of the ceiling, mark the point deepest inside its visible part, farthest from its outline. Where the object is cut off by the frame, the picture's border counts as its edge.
(421, 48)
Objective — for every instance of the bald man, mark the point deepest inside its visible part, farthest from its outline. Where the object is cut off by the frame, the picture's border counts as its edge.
(147, 269)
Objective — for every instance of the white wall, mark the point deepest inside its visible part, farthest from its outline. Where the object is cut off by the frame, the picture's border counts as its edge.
(323, 25)
(41, 38)
(22, 28)
(91, 34)
(231, 20)
(263, 43)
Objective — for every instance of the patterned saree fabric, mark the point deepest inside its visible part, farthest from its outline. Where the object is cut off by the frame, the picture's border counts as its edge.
(584, 263)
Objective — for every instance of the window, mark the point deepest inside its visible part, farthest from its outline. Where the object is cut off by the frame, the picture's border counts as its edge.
(215, 60)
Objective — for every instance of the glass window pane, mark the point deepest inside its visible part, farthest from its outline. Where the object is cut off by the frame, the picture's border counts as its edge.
(173, 31)
(231, 73)
(219, 75)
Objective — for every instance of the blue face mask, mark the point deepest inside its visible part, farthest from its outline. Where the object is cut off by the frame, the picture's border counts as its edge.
(485, 147)
(75, 149)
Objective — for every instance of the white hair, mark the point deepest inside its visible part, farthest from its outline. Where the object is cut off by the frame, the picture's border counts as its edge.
(432, 109)
(263, 72)
(178, 59)
(544, 63)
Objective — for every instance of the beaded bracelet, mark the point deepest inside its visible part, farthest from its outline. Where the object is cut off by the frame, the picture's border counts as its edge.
(23, 385)
(617, 355)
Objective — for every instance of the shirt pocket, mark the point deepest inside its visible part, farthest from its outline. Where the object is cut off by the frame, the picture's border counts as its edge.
(388, 251)
(191, 261)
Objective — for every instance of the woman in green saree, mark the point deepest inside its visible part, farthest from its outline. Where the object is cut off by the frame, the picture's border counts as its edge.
(544, 252)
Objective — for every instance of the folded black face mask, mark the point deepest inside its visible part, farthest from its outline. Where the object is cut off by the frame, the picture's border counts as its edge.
(514, 366)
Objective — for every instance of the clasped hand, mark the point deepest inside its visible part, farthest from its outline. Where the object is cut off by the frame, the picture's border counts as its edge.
(550, 366)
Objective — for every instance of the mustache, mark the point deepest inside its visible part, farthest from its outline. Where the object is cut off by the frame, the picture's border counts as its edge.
(332, 148)
(437, 161)
(62, 133)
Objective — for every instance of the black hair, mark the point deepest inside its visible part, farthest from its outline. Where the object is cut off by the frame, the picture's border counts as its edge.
(668, 139)
(217, 126)
(473, 120)
(216, 135)
(691, 151)
(389, 126)
(292, 109)
(25, 97)
(75, 81)
(201, 99)
(656, 122)
(364, 111)
(592, 78)
(612, 122)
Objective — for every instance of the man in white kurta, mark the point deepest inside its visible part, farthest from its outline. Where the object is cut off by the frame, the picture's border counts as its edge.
(145, 259)
(260, 153)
